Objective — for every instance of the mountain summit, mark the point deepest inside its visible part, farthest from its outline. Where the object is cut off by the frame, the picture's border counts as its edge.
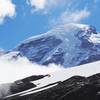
(68, 45)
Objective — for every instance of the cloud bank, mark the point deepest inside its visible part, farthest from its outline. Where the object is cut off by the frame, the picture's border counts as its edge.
(7, 9)
(43, 5)
(11, 70)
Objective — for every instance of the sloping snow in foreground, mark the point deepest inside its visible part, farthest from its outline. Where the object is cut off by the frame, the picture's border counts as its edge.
(83, 70)
(55, 77)
(12, 71)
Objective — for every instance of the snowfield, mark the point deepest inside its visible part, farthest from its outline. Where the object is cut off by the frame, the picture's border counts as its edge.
(58, 76)
(83, 70)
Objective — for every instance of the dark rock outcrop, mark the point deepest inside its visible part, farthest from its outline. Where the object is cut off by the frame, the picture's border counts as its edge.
(74, 88)
(24, 84)
(19, 85)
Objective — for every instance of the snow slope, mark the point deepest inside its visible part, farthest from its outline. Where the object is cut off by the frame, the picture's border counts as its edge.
(83, 70)
(56, 77)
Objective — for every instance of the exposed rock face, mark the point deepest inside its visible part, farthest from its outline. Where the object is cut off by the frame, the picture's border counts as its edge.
(18, 86)
(24, 84)
(75, 88)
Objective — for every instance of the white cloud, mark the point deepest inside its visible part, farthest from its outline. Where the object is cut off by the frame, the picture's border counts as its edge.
(14, 70)
(71, 17)
(37, 4)
(75, 16)
(71, 13)
(7, 9)
(44, 5)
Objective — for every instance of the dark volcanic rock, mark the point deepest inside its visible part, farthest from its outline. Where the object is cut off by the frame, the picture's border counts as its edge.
(75, 88)
(24, 84)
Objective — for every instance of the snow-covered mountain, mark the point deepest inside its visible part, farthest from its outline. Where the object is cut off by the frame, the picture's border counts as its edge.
(68, 45)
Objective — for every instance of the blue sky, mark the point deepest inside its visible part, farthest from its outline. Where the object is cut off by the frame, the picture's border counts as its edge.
(20, 19)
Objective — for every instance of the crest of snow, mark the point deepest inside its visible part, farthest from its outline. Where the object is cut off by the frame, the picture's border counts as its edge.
(58, 31)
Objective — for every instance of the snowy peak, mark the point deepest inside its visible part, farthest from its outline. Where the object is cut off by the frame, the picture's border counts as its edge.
(62, 31)
(68, 45)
